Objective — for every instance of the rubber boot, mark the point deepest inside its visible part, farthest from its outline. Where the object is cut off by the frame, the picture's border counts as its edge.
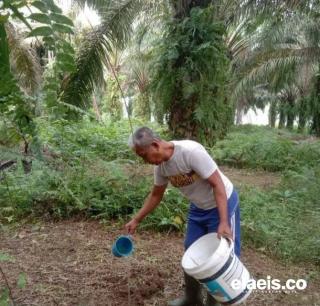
(192, 295)
(211, 301)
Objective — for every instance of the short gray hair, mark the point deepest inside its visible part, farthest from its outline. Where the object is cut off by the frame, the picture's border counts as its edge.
(142, 137)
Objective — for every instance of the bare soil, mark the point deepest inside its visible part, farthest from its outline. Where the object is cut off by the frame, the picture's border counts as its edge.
(258, 178)
(70, 263)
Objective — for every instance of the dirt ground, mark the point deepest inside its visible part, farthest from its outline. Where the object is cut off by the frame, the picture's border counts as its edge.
(70, 263)
(240, 177)
(258, 178)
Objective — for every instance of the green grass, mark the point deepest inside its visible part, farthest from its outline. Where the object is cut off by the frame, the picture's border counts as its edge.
(284, 221)
(88, 170)
(266, 148)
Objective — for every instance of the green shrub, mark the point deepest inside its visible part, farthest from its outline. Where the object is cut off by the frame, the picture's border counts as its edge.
(266, 148)
(96, 188)
(285, 222)
(73, 140)
(88, 169)
(170, 214)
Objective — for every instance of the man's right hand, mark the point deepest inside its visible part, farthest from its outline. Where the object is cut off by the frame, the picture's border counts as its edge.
(131, 226)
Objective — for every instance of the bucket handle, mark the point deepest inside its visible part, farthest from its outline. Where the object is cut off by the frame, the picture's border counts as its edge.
(230, 242)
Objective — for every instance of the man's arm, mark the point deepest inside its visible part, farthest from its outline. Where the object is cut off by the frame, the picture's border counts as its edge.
(151, 202)
(222, 204)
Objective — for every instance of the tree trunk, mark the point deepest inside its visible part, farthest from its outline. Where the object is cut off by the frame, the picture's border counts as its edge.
(113, 104)
(315, 108)
(239, 115)
(282, 116)
(26, 165)
(302, 114)
(273, 113)
(96, 108)
(196, 104)
(315, 125)
(239, 111)
(181, 121)
(290, 110)
(4, 50)
(142, 106)
(182, 8)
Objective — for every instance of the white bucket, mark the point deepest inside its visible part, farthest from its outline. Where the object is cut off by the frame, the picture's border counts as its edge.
(212, 261)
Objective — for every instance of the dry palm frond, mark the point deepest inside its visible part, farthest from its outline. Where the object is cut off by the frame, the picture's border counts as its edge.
(24, 61)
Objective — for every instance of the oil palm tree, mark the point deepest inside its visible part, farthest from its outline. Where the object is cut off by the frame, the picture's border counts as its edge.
(93, 55)
(255, 58)
(284, 52)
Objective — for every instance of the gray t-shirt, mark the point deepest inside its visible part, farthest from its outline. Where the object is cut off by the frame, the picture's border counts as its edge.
(188, 169)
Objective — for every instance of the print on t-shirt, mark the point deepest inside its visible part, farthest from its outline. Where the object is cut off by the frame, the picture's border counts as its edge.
(181, 180)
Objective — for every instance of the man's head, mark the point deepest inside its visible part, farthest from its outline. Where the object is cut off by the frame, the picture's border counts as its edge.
(148, 145)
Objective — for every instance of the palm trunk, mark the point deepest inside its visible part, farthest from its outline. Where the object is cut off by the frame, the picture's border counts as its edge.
(302, 114)
(180, 119)
(193, 96)
(290, 112)
(315, 108)
(239, 111)
(273, 113)
(239, 115)
(4, 50)
(182, 8)
(282, 116)
(142, 106)
(315, 125)
(96, 108)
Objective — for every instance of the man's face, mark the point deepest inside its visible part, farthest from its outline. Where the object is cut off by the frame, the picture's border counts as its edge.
(152, 154)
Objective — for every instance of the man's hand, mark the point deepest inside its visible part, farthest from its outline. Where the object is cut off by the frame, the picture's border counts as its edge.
(131, 226)
(151, 202)
(224, 230)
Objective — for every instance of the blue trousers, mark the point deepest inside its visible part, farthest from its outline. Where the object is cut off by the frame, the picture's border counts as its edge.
(201, 222)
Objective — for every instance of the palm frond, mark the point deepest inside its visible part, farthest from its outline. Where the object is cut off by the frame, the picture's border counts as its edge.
(24, 61)
(276, 7)
(94, 4)
(96, 48)
(78, 87)
(239, 43)
(279, 53)
(139, 72)
(279, 69)
(227, 11)
(117, 20)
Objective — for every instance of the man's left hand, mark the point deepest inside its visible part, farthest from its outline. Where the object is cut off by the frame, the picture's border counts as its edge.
(224, 230)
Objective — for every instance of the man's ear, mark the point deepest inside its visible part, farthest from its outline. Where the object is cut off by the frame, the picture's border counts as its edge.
(155, 145)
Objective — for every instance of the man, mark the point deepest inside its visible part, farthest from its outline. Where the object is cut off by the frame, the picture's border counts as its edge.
(214, 203)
